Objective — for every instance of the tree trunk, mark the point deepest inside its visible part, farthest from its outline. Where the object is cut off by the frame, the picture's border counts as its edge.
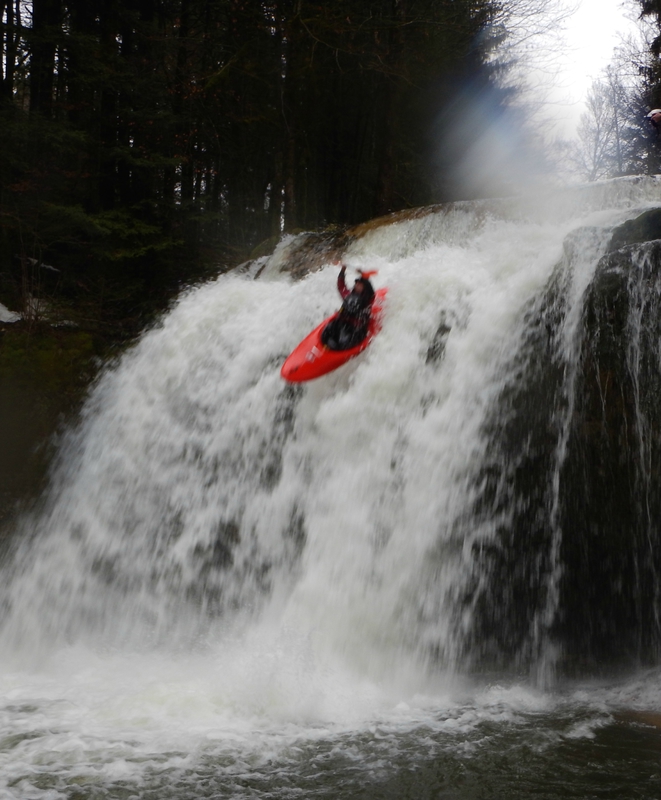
(46, 19)
(8, 56)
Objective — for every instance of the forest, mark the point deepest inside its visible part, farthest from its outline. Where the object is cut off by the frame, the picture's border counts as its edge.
(146, 144)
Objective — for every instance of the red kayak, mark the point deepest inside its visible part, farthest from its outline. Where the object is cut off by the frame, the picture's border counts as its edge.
(312, 359)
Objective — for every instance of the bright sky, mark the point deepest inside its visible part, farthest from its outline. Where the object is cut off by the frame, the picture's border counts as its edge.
(591, 35)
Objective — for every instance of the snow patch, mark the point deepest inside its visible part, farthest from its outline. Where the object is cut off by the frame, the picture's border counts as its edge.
(8, 316)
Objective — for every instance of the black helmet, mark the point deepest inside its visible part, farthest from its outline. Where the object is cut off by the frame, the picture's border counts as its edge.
(367, 293)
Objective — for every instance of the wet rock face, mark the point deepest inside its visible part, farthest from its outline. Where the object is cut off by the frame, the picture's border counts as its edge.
(644, 228)
(571, 496)
(611, 497)
(309, 252)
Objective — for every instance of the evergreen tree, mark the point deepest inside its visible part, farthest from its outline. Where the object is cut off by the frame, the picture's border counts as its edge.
(142, 138)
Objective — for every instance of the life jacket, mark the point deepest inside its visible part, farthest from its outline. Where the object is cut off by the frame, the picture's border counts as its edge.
(354, 305)
(358, 304)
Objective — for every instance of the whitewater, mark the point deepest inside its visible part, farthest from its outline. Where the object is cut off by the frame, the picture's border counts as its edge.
(235, 587)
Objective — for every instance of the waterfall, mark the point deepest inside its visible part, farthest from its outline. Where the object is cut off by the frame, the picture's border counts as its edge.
(407, 512)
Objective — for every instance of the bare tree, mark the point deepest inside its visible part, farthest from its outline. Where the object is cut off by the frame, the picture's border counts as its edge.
(596, 135)
(614, 137)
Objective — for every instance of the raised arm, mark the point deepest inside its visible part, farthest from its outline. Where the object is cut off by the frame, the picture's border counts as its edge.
(341, 284)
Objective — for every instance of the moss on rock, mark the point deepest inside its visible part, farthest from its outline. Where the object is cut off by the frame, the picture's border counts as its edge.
(44, 374)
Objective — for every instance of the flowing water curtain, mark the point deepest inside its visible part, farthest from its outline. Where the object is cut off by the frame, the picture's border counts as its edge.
(199, 485)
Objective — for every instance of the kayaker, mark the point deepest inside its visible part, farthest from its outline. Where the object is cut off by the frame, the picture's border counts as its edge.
(350, 325)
